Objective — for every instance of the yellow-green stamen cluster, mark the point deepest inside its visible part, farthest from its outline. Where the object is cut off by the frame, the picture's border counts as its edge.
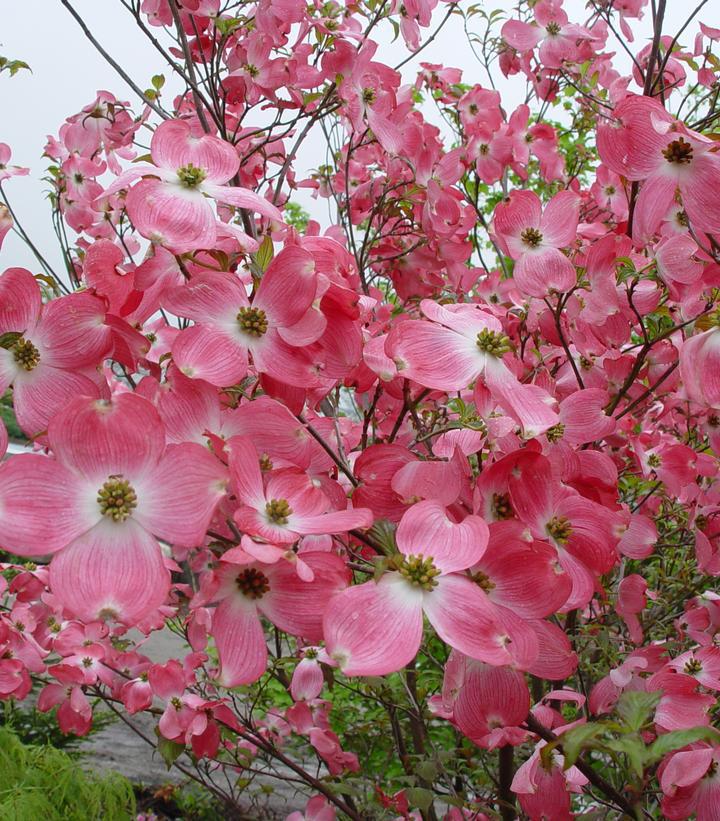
(678, 152)
(190, 175)
(278, 511)
(556, 432)
(117, 499)
(502, 507)
(483, 581)
(531, 237)
(560, 529)
(494, 343)
(252, 321)
(419, 571)
(252, 583)
(693, 666)
(553, 28)
(26, 354)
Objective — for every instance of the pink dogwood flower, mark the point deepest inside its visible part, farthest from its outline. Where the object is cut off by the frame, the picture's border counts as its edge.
(112, 490)
(533, 237)
(460, 344)
(47, 352)
(376, 628)
(173, 209)
(273, 329)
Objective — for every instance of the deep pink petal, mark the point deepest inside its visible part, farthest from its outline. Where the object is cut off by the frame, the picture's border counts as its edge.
(245, 472)
(538, 272)
(288, 287)
(244, 198)
(71, 332)
(374, 629)
(529, 405)
(426, 530)
(102, 438)
(296, 606)
(521, 36)
(336, 521)
(114, 570)
(652, 205)
(173, 146)
(20, 300)
(210, 299)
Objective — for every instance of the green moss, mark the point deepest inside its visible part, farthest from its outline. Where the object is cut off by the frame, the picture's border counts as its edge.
(43, 782)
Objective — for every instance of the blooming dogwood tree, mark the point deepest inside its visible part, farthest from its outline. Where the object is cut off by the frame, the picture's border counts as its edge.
(428, 489)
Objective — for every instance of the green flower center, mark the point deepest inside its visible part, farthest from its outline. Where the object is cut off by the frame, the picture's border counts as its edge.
(531, 237)
(494, 343)
(368, 96)
(278, 511)
(483, 581)
(679, 152)
(117, 499)
(190, 175)
(693, 666)
(252, 321)
(252, 583)
(556, 432)
(26, 354)
(552, 28)
(252, 70)
(560, 529)
(502, 507)
(419, 571)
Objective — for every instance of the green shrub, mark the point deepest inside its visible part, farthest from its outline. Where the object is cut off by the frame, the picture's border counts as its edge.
(41, 782)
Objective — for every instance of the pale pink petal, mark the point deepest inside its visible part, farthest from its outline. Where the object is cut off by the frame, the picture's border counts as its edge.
(240, 641)
(538, 272)
(374, 629)
(337, 521)
(177, 499)
(434, 356)
(307, 680)
(208, 353)
(529, 405)
(441, 481)
(116, 570)
(291, 366)
(652, 205)
(464, 618)
(211, 299)
(179, 218)
(521, 36)
(560, 219)
(173, 147)
(41, 506)
(245, 472)
(426, 530)
(71, 332)
(244, 198)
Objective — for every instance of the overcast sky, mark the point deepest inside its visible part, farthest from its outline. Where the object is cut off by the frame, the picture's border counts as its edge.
(67, 71)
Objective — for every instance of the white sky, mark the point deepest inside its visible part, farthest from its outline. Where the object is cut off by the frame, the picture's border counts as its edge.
(67, 71)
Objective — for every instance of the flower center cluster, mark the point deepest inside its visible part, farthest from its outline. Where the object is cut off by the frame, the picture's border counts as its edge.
(531, 237)
(278, 511)
(560, 529)
(679, 151)
(493, 342)
(419, 571)
(252, 70)
(26, 354)
(483, 581)
(369, 96)
(190, 175)
(252, 321)
(693, 666)
(117, 499)
(553, 28)
(502, 507)
(556, 432)
(252, 583)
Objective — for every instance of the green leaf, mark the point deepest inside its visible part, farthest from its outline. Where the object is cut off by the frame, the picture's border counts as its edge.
(635, 708)
(7, 340)
(574, 741)
(265, 254)
(158, 81)
(169, 750)
(676, 739)
(419, 797)
(634, 748)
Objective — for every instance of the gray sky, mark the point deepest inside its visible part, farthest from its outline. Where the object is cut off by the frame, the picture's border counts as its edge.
(67, 71)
